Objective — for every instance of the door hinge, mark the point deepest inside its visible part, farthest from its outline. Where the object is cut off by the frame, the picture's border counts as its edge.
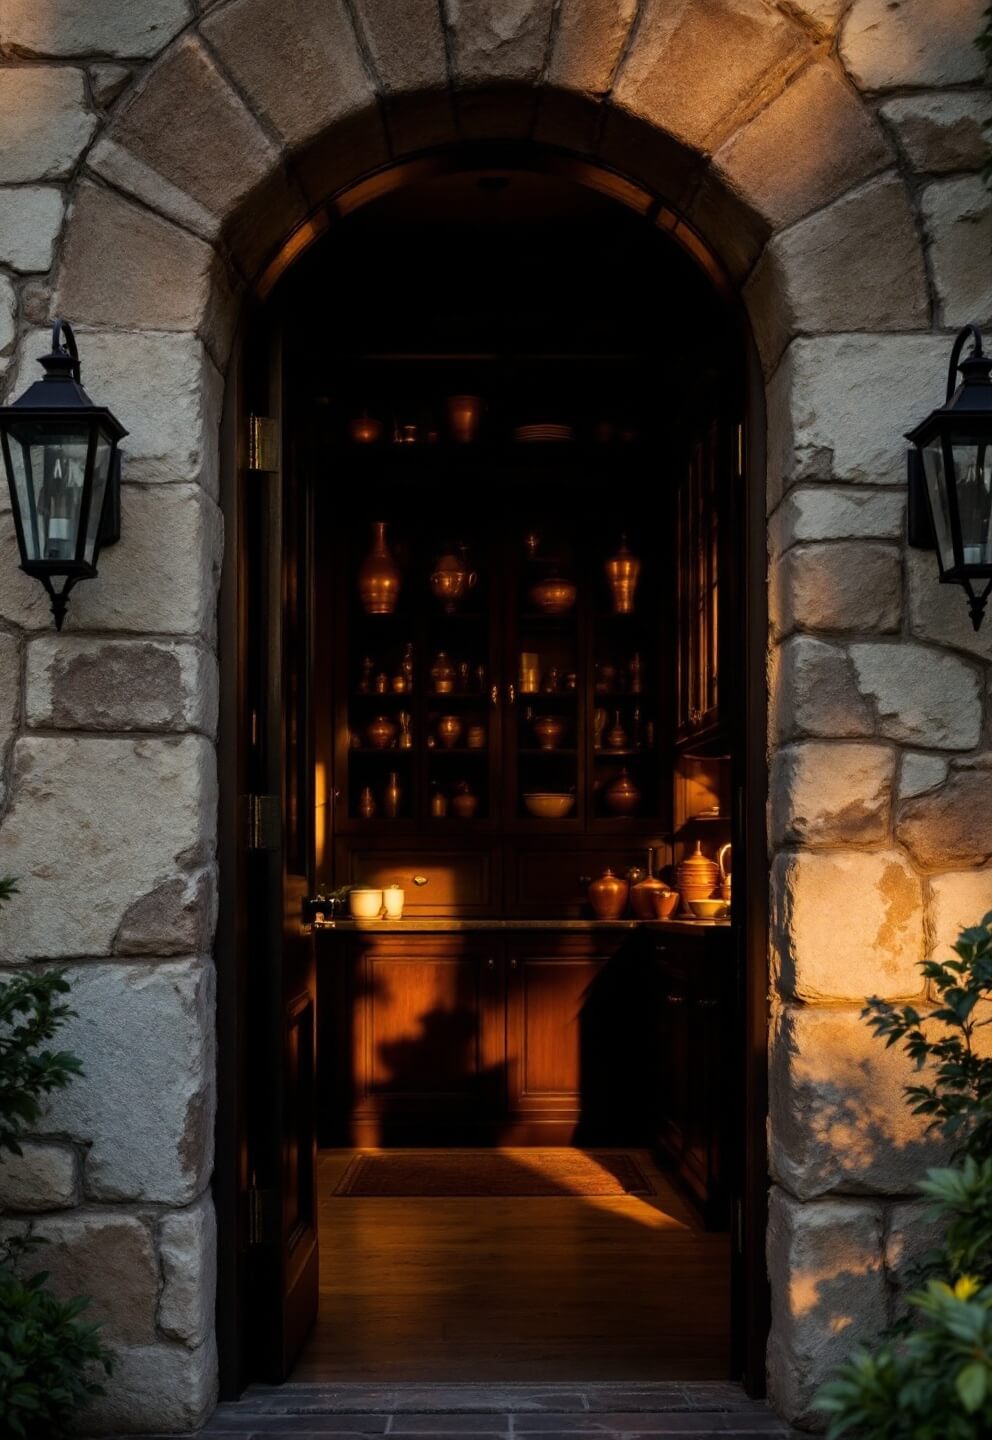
(263, 1216)
(263, 444)
(263, 821)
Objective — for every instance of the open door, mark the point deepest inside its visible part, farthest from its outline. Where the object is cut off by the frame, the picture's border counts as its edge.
(282, 1224)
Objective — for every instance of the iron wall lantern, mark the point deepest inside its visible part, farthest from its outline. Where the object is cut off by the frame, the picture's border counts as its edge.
(63, 468)
(950, 477)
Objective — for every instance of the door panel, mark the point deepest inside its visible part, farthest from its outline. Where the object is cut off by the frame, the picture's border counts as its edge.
(549, 990)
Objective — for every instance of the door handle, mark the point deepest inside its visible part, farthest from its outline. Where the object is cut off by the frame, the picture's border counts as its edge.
(420, 880)
(490, 963)
(511, 693)
(494, 695)
(513, 962)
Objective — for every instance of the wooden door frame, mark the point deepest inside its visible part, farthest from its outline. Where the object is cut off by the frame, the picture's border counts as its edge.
(233, 949)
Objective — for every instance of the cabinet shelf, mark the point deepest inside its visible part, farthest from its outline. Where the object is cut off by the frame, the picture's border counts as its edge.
(369, 751)
(532, 750)
(627, 754)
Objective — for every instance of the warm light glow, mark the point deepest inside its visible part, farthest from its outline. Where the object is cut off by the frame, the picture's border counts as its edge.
(320, 813)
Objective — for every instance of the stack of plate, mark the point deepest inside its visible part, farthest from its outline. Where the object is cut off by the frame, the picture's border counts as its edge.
(538, 434)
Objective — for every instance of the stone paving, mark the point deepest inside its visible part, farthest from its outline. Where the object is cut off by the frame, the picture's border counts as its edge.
(607, 1411)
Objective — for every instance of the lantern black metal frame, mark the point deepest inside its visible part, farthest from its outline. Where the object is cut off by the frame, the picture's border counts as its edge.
(59, 396)
(966, 415)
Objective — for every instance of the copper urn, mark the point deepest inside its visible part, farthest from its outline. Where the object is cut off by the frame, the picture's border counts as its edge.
(622, 571)
(452, 580)
(608, 896)
(697, 875)
(622, 797)
(379, 575)
(642, 895)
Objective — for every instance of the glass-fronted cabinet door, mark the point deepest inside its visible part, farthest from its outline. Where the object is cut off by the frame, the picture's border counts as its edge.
(698, 535)
(416, 726)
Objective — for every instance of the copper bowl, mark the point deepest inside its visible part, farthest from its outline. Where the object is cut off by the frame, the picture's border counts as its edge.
(666, 902)
(553, 596)
(548, 806)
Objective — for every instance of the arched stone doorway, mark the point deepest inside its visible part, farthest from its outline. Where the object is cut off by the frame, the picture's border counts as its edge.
(746, 123)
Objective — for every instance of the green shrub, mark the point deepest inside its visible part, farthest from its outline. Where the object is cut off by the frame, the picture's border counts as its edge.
(49, 1357)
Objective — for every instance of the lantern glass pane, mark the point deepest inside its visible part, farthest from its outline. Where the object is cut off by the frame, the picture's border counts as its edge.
(973, 472)
(101, 470)
(48, 458)
(933, 467)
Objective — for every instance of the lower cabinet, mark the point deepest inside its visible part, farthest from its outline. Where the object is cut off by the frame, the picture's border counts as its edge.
(693, 1035)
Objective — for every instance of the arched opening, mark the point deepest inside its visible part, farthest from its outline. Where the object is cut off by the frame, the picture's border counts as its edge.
(611, 409)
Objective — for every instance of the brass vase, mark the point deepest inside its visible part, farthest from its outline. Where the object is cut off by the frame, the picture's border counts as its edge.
(642, 895)
(622, 571)
(698, 876)
(379, 575)
(608, 896)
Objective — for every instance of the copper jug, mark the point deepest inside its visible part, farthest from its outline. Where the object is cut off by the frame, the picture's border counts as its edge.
(698, 875)
(622, 571)
(379, 576)
(622, 797)
(452, 580)
(608, 896)
(642, 895)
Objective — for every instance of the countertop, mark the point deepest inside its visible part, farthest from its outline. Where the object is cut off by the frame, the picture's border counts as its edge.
(437, 925)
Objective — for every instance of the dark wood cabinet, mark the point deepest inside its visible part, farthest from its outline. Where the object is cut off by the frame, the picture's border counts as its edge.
(692, 1036)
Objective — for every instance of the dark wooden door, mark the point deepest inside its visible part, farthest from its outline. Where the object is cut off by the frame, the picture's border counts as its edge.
(283, 1153)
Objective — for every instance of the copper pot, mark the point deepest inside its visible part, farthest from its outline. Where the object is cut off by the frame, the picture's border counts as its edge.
(452, 580)
(622, 797)
(622, 571)
(465, 804)
(380, 732)
(379, 575)
(449, 730)
(697, 875)
(550, 730)
(608, 896)
(553, 596)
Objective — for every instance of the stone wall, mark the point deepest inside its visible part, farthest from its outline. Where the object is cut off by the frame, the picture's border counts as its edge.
(151, 157)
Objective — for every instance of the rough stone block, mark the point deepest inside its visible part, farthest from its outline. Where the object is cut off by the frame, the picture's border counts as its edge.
(107, 82)
(298, 61)
(848, 587)
(44, 123)
(828, 1293)
(822, 274)
(166, 1386)
(493, 41)
(30, 219)
(835, 793)
(950, 827)
(43, 1177)
(406, 43)
(920, 695)
(814, 141)
(10, 700)
(86, 27)
(819, 512)
(188, 1249)
(838, 1118)
(8, 316)
(846, 924)
(126, 268)
(695, 68)
(820, 426)
(884, 45)
(919, 773)
(912, 1232)
(824, 12)
(126, 173)
(187, 123)
(111, 1258)
(74, 683)
(957, 901)
(940, 612)
(164, 387)
(943, 131)
(588, 43)
(149, 1127)
(957, 215)
(178, 917)
(815, 692)
(139, 812)
(419, 120)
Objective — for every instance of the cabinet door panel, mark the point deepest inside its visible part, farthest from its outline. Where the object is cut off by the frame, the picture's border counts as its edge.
(435, 882)
(553, 880)
(548, 992)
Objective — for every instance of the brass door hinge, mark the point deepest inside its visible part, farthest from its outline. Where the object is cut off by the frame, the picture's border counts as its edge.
(263, 821)
(263, 444)
(263, 1216)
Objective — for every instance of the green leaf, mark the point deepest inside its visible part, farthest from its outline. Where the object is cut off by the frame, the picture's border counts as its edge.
(972, 1386)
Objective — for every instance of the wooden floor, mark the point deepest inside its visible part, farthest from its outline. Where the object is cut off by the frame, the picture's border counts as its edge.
(530, 1290)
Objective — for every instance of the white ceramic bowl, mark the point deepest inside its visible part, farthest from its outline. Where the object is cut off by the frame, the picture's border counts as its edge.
(365, 904)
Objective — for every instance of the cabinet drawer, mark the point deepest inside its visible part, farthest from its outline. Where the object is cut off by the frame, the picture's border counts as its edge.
(435, 882)
(552, 881)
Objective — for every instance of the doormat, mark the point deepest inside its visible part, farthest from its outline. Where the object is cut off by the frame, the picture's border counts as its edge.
(493, 1174)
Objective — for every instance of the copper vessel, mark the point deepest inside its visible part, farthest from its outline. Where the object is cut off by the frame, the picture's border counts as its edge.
(365, 429)
(449, 730)
(698, 876)
(623, 796)
(380, 732)
(475, 737)
(616, 736)
(463, 417)
(366, 804)
(622, 572)
(550, 731)
(392, 796)
(443, 674)
(452, 580)
(379, 575)
(464, 803)
(608, 896)
(553, 596)
(643, 894)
